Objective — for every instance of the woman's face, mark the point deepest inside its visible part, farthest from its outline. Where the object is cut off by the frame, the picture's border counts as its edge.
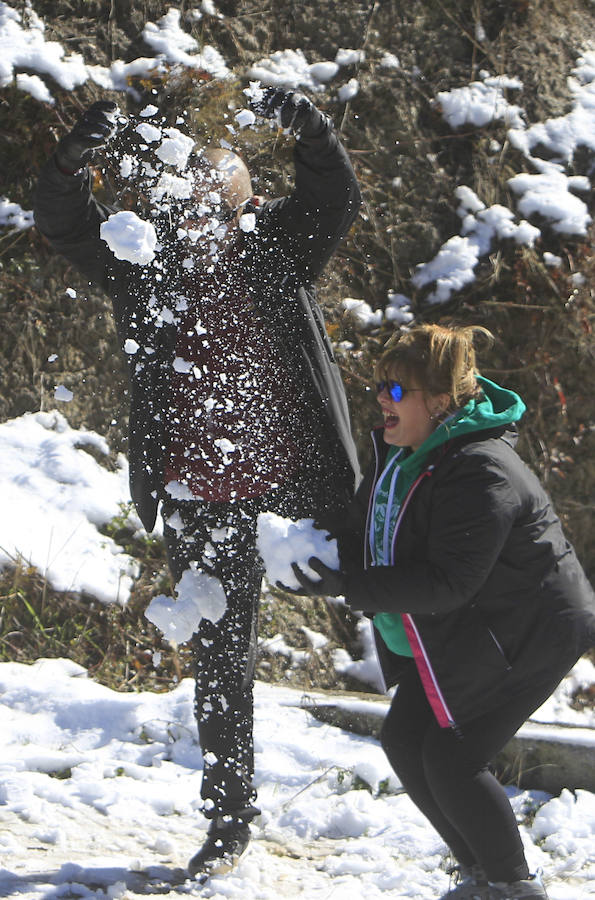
(411, 420)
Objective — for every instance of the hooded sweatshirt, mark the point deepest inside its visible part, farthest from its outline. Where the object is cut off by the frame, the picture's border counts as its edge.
(497, 406)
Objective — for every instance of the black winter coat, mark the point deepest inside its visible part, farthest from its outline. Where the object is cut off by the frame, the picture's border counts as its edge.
(490, 590)
(294, 239)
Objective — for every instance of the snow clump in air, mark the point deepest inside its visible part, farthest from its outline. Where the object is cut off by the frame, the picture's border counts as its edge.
(199, 596)
(281, 542)
(175, 148)
(130, 237)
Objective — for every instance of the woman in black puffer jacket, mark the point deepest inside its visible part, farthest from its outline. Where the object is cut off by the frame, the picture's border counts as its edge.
(480, 606)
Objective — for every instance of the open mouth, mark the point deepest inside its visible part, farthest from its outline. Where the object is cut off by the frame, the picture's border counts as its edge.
(391, 421)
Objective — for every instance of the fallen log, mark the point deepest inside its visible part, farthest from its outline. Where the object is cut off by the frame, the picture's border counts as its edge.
(541, 756)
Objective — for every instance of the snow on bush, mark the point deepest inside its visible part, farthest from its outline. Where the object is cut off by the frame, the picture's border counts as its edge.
(59, 497)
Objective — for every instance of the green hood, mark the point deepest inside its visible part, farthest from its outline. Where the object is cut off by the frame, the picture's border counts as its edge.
(497, 407)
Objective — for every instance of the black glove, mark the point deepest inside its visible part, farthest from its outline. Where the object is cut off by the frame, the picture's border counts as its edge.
(94, 129)
(331, 584)
(295, 111)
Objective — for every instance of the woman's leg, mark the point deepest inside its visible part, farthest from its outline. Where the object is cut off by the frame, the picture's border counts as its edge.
(403, 738)
(469, 796)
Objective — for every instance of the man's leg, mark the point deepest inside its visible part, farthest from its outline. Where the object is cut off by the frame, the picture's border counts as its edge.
(220, 540)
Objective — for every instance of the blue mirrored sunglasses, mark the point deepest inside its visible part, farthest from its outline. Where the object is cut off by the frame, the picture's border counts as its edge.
(395, 389)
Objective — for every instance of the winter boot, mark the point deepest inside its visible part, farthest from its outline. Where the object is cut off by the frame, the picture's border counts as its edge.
(527, 889)
(467, 881)
(531, 888)
(227, 839)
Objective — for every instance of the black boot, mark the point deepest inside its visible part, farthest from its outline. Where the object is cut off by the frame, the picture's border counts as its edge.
(227, 838)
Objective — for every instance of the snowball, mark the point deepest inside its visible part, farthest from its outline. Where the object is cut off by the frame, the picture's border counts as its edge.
(148, 111)
(129, 237)
(283, 541)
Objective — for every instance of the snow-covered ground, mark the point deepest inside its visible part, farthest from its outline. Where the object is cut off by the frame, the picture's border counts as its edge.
(99, 793)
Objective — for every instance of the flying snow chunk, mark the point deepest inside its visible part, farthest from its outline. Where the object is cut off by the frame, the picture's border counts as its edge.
(129, 237)
(131, 346)
(245, 117)
(248, 222)
(149, 111)
(179, 491)
(199, 596)
(282, 541)
(62, 393)
(149, 133)
(175, 148)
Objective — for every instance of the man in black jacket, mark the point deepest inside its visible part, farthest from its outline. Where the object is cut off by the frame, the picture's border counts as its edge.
(237, 405)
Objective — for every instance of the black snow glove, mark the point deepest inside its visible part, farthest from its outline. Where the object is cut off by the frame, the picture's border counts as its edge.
(331, 583)
(94, 129)
(293, 110)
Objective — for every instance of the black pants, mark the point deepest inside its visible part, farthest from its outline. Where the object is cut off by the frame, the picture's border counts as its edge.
(220, 538)
(446, 774)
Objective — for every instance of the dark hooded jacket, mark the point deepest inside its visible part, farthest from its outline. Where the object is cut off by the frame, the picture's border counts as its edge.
(489, 590)
(292, 242)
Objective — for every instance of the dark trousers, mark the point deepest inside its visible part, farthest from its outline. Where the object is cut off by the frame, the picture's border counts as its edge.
(220, 538)
(446, 773)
